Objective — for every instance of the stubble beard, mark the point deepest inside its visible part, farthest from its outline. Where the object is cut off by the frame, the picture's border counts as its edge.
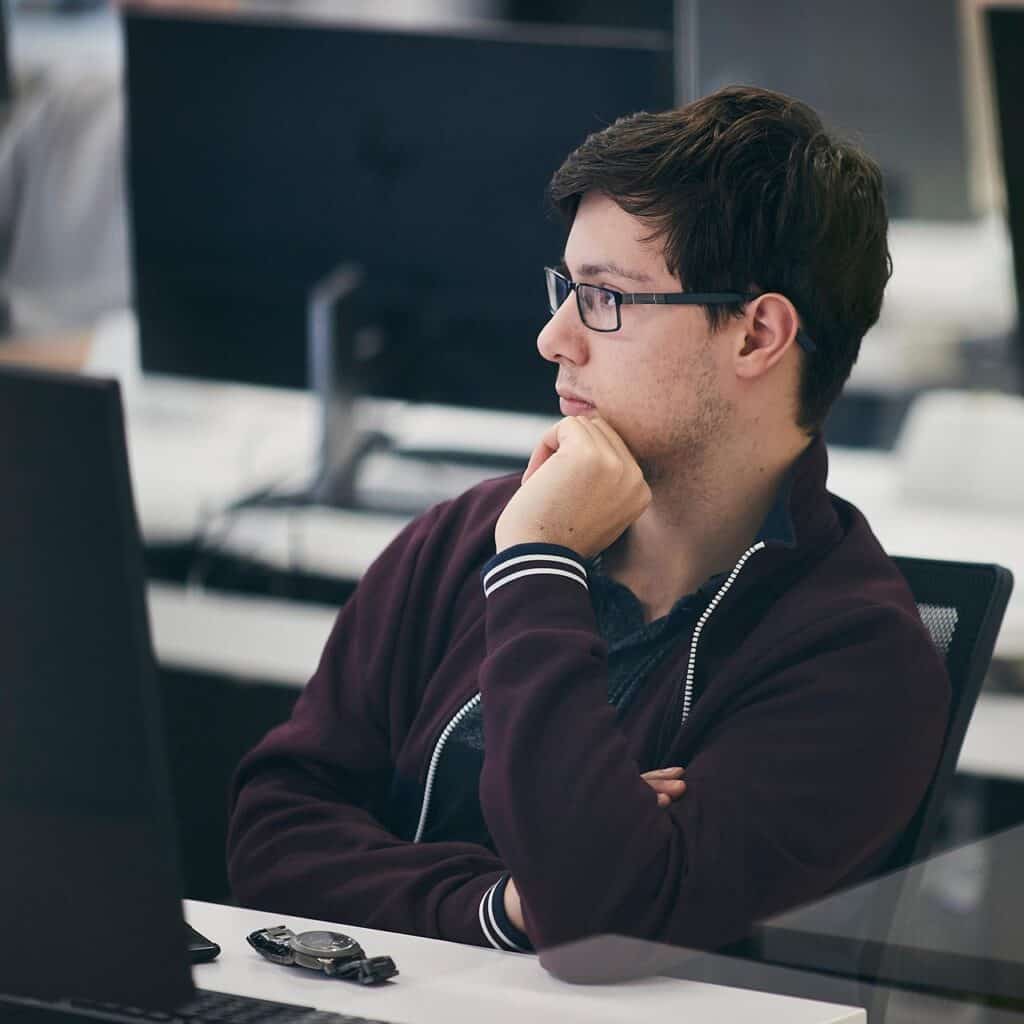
(685, 461)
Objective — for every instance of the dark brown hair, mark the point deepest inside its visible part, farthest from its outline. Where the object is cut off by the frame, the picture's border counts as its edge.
(750, 193)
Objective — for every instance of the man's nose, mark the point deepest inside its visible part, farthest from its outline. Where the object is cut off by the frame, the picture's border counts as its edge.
(563, 338)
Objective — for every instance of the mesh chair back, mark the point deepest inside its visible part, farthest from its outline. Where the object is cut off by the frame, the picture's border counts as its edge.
(941, 621)
(962, 605)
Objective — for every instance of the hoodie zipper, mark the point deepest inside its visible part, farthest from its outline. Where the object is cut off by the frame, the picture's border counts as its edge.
(435, 759)
(702, 621)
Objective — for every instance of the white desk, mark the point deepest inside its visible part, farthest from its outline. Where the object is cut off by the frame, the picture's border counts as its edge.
(247, 639)
(452, 983)
(255, 639)
(992, 746)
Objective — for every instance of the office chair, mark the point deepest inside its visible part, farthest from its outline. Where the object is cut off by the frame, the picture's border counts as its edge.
(962, 605)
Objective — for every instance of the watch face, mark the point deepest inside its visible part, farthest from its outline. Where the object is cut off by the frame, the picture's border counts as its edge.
(324, 944)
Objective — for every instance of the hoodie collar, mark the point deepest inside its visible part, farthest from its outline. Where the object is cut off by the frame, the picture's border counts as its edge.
(801, 523)
(803, 515)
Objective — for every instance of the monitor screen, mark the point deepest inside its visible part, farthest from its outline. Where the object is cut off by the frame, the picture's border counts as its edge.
(266, 153)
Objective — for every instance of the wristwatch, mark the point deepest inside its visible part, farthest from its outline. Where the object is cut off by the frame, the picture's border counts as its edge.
(331, 952)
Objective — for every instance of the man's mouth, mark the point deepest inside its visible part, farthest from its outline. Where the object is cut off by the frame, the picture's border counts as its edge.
(572, 405)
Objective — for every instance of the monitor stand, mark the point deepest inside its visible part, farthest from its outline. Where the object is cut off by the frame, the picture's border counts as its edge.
(360, 463)
(335, 380)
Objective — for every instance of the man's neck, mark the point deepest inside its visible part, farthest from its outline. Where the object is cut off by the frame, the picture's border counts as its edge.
(699, 523)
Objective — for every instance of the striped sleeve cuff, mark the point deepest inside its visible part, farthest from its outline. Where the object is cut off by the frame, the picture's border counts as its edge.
(523, 560)
(499, 931)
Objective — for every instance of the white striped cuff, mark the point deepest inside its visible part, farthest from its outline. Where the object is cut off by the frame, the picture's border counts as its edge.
(534, 563)
(494, 922)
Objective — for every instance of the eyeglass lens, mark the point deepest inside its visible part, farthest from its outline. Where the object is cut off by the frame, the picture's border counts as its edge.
(597, 306)
(558, 290)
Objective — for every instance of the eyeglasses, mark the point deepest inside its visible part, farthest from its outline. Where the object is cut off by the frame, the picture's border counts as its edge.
(601, 308)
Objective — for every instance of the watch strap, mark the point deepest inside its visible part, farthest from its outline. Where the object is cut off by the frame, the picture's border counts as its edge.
(272, 943)
(369, 971)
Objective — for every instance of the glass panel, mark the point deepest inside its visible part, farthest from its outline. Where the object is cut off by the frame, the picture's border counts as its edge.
(941, 940)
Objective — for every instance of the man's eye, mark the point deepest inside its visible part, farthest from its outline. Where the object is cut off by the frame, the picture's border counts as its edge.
(600, 298)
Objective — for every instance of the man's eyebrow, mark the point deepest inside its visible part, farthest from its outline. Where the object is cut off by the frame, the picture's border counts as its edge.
(594, 269)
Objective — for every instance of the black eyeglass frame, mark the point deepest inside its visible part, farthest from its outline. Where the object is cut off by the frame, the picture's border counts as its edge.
(621, 299)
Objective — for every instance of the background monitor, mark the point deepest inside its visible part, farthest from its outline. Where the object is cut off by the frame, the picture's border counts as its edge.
(1006, 39)
(264, 153)
(887, 75)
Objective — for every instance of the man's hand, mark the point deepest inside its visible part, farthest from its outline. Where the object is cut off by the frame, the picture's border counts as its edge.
(513, 905)
(669, 786)
(667, 783)
(581, 489)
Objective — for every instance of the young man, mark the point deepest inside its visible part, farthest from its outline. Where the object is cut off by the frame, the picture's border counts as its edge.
(669, 587)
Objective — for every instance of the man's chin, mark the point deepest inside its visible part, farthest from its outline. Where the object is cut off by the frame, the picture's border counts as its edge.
(685, 462)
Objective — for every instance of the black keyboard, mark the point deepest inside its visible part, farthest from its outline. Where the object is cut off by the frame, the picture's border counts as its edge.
(205, 1008)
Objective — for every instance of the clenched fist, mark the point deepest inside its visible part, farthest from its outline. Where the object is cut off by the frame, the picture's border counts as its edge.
(581, 489)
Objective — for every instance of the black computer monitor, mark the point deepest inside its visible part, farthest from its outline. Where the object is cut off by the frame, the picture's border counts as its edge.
(1006, 45)
(266, 151)
(89, 886)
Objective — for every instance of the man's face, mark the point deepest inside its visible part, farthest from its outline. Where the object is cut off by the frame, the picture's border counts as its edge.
(659, 379)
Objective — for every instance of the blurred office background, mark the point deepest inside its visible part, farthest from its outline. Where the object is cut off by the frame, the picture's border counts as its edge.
(261, 218)
(911, 81)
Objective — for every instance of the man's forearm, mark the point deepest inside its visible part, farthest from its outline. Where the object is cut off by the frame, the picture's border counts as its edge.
(291, 850)
(667, 785)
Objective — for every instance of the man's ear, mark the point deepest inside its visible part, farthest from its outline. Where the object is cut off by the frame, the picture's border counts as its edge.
(770, 324)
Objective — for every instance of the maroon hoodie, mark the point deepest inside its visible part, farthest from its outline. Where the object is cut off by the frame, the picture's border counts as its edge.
(807, 704)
